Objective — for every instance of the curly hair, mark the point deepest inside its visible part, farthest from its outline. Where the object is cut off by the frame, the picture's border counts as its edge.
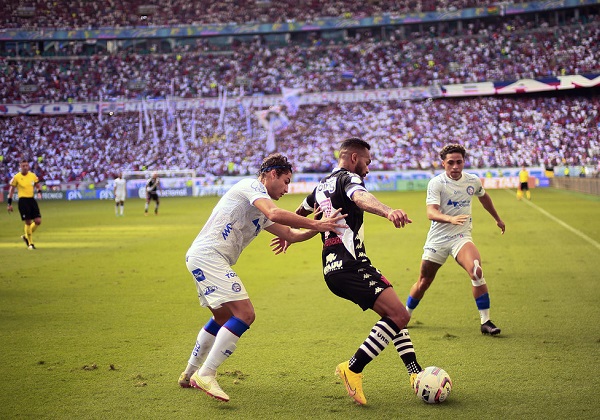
(452, 148)
(275, 161)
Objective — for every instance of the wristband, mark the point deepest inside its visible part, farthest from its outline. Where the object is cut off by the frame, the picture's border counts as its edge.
(10, 201)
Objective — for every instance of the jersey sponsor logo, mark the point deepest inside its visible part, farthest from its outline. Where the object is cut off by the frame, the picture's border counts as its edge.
(378, 290)
(458, 204)
(227, 230)
(330, 257)
(372, 283)
(328, 185)
(362, 255)
(236, 287)
(335, 265)
(198, 275)
(366, 276)
(470, 190)
(231, 274)
(332, 241)
(430, 249)
(209, 290)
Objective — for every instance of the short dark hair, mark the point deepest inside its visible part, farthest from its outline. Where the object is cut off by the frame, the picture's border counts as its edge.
(452, 148)
(353, 144)
(275, 161)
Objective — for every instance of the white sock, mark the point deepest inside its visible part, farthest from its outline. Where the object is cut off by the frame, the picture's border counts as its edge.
(484, 314)
(204, 343)
(223, 347)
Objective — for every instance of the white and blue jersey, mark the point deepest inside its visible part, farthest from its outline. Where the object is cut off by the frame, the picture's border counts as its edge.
(454, 198)
(233, 223)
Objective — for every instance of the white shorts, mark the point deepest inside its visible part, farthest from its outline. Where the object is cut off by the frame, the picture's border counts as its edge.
(215, 281)
(119, 198)
(437, 251)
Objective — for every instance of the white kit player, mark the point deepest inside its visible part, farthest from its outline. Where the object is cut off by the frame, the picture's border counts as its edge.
(449, 197)
(239, 216)
(120, 192)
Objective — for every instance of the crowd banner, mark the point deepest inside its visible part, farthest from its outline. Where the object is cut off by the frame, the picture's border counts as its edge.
(316, 98)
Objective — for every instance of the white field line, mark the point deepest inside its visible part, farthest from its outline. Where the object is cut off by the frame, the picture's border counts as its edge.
(560, 222)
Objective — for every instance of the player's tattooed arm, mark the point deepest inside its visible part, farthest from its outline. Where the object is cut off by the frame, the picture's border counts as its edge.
(367, 202)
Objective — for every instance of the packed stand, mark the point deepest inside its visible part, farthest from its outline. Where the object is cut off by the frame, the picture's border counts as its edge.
(35, 14)
(497, 131)
(485, 53)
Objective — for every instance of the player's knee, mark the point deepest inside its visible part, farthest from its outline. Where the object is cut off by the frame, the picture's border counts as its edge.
(400, 317)
(477, 278)
(247, 316)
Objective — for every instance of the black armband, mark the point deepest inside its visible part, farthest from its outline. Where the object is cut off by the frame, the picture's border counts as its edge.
(10, 201)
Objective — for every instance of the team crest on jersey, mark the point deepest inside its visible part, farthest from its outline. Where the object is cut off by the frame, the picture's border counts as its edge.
(236, 287)
(470, 190)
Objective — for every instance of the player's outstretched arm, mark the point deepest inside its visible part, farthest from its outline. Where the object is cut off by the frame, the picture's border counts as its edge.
(288, 218)
(369, 203)
(486, 202)
(434, 214)
(286, 235)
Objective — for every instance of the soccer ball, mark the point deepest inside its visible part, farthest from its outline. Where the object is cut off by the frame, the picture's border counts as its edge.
(433, 385)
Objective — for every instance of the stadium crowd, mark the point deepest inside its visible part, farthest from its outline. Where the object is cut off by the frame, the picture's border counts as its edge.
(497, 131)
(488, 53)
(127, 13)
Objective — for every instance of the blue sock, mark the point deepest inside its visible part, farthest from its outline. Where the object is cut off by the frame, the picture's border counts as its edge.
(236, 326)
(483, 301)
(412, 303)
(212, 327)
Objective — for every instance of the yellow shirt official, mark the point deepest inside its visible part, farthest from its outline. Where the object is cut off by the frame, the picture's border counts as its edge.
(523, 176)
(24, 184)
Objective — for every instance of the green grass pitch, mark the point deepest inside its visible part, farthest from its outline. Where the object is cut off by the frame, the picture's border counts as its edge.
(99, 321)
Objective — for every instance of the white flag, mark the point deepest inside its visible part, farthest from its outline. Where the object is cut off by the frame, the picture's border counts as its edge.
(180, 134)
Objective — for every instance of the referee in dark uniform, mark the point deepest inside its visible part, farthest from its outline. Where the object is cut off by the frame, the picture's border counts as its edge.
(152, 187)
